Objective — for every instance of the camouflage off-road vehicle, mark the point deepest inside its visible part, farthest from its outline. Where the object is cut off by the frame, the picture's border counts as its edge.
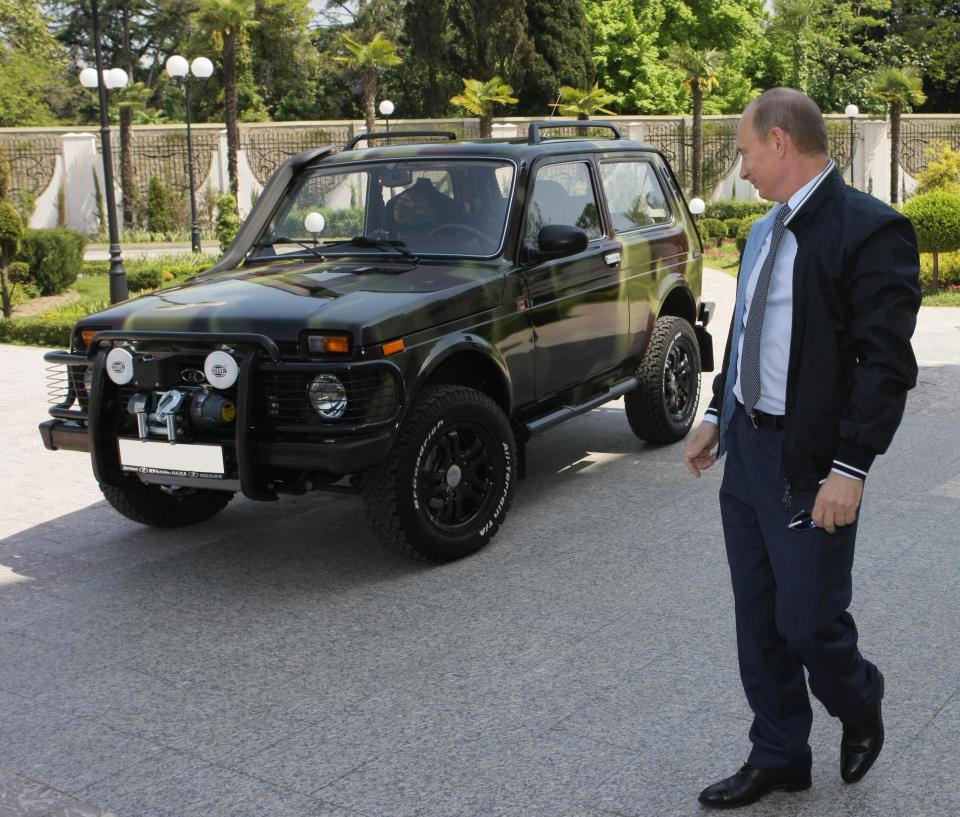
(398, 321)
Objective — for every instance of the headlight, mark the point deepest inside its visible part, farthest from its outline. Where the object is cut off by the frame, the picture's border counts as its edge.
(328, 396)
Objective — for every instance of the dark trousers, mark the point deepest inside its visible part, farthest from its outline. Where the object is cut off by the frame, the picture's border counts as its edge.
(791, 591)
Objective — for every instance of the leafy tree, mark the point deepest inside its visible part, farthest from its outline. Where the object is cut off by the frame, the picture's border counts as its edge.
(491, 36)
(229, 22)
(429, 80)
(228, 221)
(128, 101)
(627, 53)
(931, 30)
(11, 228)
(35, 81)
(479, 97)
(583, 104)
(899, 90)
(369, 58)
(936, 220)
(700, 71)
(287, 85)
(560, 35)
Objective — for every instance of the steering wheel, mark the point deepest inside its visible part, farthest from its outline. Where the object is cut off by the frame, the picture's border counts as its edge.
(458, 227)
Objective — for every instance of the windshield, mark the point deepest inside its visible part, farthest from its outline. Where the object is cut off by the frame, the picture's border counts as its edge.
(424, 206)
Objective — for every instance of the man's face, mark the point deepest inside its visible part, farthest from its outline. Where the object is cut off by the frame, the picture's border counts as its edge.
(760, 159)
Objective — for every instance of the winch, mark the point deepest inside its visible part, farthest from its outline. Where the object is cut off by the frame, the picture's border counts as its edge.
(170, 413)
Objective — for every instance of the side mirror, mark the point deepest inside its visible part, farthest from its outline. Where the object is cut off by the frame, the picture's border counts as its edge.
(696, 206)
(557, 241)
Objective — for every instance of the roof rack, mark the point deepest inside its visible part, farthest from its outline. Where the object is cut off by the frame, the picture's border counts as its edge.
(535, 137)
(397, 134)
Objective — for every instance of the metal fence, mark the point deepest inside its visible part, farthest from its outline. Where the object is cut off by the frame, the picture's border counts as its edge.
(917, 136)
(32, 160)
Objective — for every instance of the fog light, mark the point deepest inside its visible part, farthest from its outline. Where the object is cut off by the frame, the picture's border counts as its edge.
(221, 370)
(120, 366)
(327, 396)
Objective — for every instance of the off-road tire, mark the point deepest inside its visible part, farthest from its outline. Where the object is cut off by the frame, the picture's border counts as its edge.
(661, 409)
(165, 508)
(401, 509)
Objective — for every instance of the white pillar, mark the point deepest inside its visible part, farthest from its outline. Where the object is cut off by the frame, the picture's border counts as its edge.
(504, 130)
(875, 159)
(223, 167)
(80, 163)
(634, 131)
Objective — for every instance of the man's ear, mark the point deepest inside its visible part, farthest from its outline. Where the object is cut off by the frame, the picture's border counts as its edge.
(780, 139)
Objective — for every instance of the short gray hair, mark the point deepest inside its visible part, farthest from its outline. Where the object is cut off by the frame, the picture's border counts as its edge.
(793, 112)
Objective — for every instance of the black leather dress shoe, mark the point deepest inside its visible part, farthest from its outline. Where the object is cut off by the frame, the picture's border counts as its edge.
(749, 785)
(861, 743)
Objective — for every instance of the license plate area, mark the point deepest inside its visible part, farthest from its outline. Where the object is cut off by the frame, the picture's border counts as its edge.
(179, 459)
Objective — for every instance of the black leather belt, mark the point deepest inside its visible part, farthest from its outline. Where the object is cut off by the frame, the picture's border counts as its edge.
(760, 419)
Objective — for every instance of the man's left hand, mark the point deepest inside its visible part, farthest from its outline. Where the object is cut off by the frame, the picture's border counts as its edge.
(837, 503)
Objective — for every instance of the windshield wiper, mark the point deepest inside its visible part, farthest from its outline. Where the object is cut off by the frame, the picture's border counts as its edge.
(282, 239)
(377, 243)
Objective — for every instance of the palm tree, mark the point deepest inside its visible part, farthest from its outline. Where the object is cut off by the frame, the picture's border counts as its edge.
(479, 97)
(131, 99)
(370, 58)
(898, 89)
(228, 21)
(701, 71)
(583, 104)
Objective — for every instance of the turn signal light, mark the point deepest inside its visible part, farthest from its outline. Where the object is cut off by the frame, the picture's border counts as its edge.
(329, 344)
(86, 335)
(392, 347)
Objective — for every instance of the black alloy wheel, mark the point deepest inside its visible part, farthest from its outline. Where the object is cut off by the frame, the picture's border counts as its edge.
(678, 383)
(661, 409)
(456, 479)
(446, 486)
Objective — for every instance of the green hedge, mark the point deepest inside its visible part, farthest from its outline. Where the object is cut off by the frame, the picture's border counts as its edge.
(725, 209)
(743, 231)
(42, 331)
(712, 228)
(54, 257)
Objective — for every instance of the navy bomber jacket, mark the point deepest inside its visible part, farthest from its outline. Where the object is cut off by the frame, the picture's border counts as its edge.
(856, 294)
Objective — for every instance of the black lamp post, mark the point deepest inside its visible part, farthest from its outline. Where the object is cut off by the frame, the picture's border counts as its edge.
(851, 111)
(179, 69)
(102, 80)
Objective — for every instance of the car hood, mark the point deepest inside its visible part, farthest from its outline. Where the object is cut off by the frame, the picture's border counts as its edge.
(373, 301)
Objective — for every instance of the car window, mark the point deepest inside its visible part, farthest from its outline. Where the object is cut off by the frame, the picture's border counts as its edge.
(634, 194)
(449, 207)
(563, 194)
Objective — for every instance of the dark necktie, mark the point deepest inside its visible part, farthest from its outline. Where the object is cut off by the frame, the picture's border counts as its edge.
(750, 364)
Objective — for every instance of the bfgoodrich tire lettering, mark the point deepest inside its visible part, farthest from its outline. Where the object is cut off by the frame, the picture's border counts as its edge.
(446, 486)
(165, 507)
(662, 408)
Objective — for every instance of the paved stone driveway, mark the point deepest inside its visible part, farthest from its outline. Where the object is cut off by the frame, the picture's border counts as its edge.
(273, 661)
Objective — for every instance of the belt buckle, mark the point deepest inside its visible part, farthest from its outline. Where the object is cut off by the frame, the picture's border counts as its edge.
(754, 418)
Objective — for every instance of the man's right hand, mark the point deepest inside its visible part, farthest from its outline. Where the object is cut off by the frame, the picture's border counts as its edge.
(700, 454)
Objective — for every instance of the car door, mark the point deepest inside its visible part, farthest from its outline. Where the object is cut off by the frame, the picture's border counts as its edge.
(654, 242)
(579, 312)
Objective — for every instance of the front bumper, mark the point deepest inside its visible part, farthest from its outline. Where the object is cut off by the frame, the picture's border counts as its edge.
(263, 454)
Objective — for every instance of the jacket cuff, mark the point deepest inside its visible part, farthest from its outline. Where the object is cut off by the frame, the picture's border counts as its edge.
(852, 459)
(711, 416)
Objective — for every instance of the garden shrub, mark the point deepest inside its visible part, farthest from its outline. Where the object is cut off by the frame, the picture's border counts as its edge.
(43, 331)
(712, 228)
(732, 226)
(943, 169)
(228, 221)
(146, 277)
(160, 215)
(725, 209)
(936, 220)
(743, 231)
(55, 257)
(949, 269)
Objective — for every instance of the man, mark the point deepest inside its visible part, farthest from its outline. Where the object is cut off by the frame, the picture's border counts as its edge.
(813, 387)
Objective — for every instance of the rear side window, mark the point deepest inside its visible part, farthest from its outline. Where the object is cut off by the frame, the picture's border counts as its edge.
(634, 194)
(563, 194)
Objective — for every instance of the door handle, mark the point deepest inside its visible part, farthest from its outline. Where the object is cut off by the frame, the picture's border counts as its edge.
(612, 259)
